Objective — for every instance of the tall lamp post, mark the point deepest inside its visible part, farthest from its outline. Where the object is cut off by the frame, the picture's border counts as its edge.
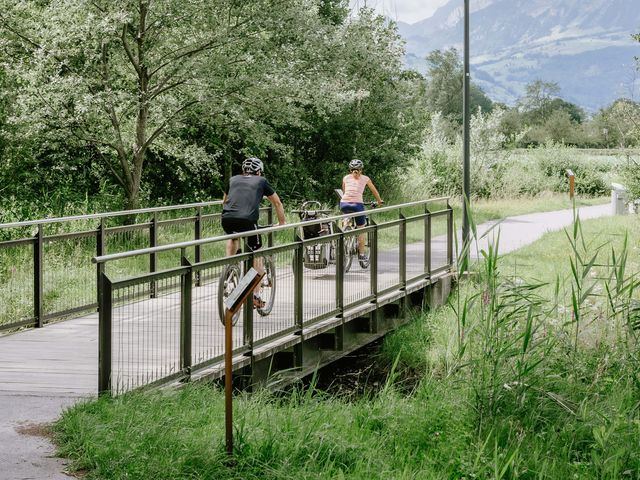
(466, 178)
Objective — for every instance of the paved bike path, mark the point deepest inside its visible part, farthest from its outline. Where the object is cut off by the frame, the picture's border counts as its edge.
(26, 455)
(518, 231)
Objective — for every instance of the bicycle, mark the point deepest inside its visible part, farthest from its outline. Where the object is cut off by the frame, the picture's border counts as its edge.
(230, 278)
(351, 242)
(322, 255)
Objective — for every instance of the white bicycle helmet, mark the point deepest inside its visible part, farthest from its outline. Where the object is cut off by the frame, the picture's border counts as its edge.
(356, 164)
(252, 165)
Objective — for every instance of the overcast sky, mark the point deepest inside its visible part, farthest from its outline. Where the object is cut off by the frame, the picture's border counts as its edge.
(409, 11)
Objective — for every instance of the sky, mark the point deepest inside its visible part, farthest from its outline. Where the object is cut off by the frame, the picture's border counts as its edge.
(409, 11)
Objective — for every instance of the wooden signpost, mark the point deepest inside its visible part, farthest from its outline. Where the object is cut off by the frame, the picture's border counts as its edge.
(572, 183)
(232, 304)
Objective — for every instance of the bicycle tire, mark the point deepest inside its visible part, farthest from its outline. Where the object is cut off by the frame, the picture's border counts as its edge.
(350, 247)
(226, 284)
(269, 286)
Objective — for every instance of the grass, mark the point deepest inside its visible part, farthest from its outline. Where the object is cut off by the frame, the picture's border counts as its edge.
(509, 388)
(493, 209)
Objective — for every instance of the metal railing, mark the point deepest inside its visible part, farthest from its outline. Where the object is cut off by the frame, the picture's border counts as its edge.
(45, 265)
(146, 339)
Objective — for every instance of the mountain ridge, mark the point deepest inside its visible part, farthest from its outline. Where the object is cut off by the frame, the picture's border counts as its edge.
(514, 42)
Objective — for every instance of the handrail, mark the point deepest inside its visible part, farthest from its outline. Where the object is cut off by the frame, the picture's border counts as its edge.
(278, 228)
(119, 213)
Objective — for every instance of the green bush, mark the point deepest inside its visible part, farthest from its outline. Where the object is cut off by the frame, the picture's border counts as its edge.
(631, 177)
(497, 172)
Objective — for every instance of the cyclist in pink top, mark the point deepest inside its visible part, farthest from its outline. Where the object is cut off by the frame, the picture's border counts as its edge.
(353, 186)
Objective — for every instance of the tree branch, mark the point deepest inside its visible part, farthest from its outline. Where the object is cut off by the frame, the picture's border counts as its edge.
(161, 128)
(128, 51)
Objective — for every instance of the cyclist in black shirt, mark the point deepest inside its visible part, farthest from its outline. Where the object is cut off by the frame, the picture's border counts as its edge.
(241, 208)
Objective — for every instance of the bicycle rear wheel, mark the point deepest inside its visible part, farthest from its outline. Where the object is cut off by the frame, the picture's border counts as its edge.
(350, 248)
(268, 286)
(228, 282)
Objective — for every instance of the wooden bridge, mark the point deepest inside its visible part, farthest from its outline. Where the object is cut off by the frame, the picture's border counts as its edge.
(163, 326)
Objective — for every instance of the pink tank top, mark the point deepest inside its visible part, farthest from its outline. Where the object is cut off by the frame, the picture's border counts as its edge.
(353, 189)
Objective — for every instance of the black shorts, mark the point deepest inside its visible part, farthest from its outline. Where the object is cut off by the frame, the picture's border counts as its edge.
(239, 225)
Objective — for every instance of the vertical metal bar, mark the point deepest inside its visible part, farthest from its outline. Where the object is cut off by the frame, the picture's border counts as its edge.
(427, 242)
(198, 236)
(340, 270)
(38, 277)
(298, 284)
(248, 304)
(403, 251)
(373, 259)
(270, 222)
(185, 316)
(153, 260)
(104, 335)
(340, 275)
(99, 252)
(450, 236)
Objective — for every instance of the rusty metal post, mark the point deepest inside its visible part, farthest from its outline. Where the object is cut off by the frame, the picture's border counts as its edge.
(229, 312)
(572, 183)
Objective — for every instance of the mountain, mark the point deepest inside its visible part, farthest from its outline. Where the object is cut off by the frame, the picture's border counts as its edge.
(583, 45)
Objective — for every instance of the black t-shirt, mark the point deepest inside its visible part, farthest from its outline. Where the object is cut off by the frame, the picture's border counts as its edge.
(244, 193)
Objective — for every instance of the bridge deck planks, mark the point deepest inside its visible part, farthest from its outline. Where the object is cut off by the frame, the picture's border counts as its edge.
(62, 358)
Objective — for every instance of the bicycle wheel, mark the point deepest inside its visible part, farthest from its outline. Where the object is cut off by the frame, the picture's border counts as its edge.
(268, 286)
(350, 248)
(228, 282)
(364, 263)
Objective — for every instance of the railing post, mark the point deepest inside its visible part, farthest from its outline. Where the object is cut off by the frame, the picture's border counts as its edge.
(427, 242)
(104, 335)
(270, 222)
(373, 259)
(403, 251)
(450, 236)
(247, 329)
(198, 236)
(99, 252)
(298, 285)
(153, 260)
(38, 277)
(186, 285)
(339, 270)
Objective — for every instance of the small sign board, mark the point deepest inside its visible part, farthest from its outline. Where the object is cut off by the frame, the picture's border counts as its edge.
(245, 285)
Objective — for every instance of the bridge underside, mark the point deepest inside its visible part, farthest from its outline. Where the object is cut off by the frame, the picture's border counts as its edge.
(295, 356)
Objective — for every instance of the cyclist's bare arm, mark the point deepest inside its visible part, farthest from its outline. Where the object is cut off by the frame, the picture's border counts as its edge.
(374, 190)
(277, 204)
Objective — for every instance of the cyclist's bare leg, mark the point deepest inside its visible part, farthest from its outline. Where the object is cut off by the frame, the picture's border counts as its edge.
(258, 264)
(361, 241)
(232, 247)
